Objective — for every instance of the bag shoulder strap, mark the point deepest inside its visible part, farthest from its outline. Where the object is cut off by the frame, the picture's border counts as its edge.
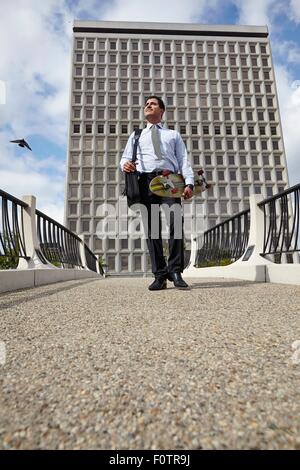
(137, 134)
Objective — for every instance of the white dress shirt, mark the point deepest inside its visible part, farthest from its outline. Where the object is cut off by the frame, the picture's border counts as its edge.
(174, 152)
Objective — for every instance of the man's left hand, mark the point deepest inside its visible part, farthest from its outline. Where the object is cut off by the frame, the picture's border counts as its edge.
(187, 193)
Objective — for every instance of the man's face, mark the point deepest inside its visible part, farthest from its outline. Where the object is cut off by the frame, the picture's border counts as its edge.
(152, 110)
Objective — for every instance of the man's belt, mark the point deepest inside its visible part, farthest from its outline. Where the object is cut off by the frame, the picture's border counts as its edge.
(155, 173)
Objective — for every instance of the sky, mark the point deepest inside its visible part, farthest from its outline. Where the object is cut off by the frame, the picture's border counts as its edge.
(35, 64)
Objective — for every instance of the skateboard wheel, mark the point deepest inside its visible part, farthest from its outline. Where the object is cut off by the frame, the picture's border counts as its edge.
(208, 186)
(165, 173)
(174, 190)
(200, 172)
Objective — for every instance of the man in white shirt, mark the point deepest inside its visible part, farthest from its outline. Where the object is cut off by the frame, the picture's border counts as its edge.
(160, 149)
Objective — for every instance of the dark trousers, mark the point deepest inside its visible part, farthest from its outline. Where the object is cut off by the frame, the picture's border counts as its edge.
(152, 225)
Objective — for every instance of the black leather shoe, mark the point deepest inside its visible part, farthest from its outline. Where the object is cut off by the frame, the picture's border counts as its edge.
(158, 284)
(178, 281)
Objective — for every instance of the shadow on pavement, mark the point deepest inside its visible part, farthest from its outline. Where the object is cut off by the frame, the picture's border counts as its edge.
(38, 295)
(220, 285)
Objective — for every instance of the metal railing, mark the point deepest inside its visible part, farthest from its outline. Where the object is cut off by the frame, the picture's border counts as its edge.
(58, 245)
(91, 260)
(12, 237)
(282, 226)
(46, 240)
(226, 242)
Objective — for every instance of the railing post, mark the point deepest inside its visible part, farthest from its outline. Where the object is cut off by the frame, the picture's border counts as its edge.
(31, 239)
(82, 252)
(97, 265)
(196, 214)
(256, 234)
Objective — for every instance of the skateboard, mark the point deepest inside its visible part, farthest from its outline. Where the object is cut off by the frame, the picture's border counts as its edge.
(172, 184)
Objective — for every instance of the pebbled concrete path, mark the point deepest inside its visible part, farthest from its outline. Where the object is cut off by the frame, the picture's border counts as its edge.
(107, 364)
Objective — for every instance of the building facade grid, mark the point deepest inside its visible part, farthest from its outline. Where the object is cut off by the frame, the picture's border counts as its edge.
(220, 94)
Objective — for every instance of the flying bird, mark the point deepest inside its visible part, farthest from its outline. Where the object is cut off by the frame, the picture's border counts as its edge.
(21, 143)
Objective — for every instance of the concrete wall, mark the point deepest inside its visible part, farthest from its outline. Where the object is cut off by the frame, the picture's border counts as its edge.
(283, 273)
(13, 279)
(256, 273)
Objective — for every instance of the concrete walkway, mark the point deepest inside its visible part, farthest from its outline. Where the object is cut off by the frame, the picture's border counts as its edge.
(107, 364)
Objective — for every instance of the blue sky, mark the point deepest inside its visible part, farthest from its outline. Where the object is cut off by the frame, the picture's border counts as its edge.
(35, 54)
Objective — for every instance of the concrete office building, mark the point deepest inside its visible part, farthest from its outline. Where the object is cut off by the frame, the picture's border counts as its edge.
(219, 88)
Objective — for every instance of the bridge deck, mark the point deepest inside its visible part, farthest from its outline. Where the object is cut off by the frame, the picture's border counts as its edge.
(108, 364)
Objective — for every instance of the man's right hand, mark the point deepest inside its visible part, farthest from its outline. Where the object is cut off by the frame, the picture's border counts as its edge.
(129, 167)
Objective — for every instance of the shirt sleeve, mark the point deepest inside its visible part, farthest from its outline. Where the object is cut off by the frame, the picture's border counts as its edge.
(183, 161)
(127, 154)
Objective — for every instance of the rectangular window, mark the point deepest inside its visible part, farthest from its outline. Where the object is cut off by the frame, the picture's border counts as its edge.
(207, 144)
(100, 113)
(220, 160)
(232, 175)
(86, 191)
(229, 144)
(218, 144)
(273, 130)
(231, 160)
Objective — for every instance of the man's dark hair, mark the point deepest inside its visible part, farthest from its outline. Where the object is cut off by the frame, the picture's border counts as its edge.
(159, 100)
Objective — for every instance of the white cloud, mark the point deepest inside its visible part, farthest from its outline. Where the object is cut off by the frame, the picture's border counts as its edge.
(288, 51)
(158, 11)
(261, 12)
(35, 56)
(26, 174)
(294, 10)
(35, 43)
(289, 100)
(48, 191)
(264, 12)
(253, 12)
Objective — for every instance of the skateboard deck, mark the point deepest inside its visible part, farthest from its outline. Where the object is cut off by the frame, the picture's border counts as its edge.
(172, 184)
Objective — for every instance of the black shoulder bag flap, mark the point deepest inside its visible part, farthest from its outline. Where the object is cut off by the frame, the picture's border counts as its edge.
(132, 190)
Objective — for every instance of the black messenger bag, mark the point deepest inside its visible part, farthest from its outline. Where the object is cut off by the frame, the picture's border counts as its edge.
(132, 190)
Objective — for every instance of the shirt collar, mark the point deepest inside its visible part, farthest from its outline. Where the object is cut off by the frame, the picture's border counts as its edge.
(149, 125)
